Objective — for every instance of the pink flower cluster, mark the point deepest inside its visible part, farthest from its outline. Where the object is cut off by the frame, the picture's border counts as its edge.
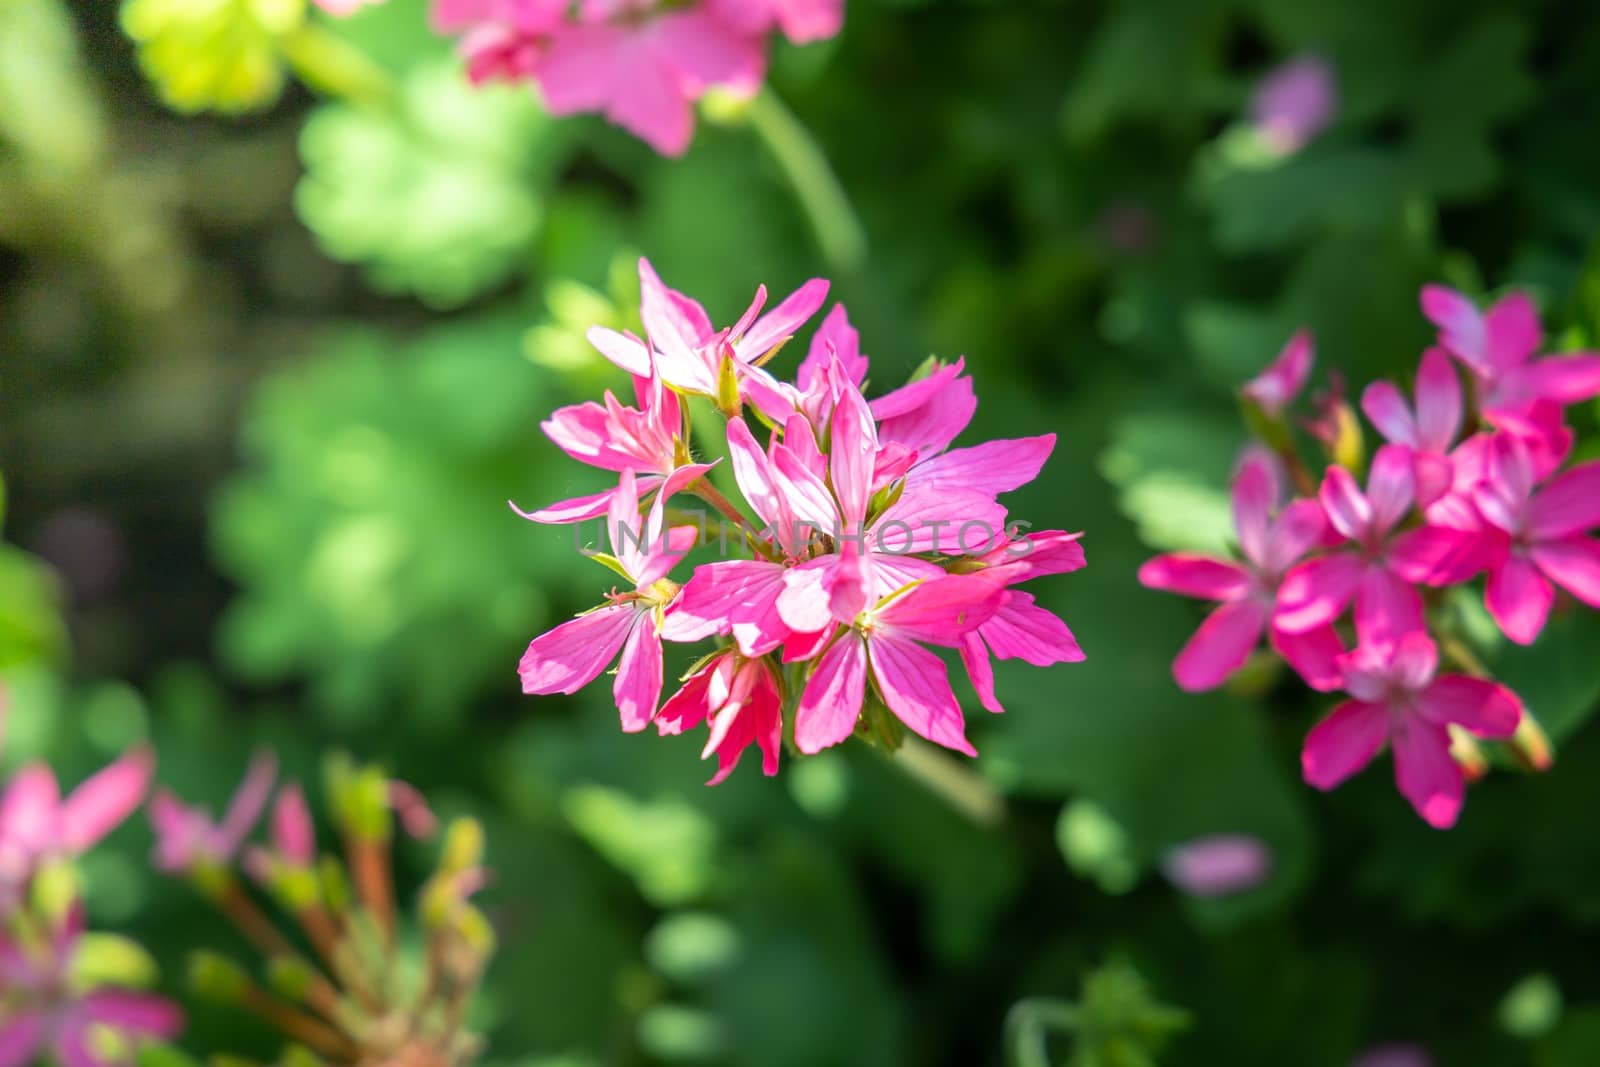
(1470, 482)
(640, 63)
(869, 538)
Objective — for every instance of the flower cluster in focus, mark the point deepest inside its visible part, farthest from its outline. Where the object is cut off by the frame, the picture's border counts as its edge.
(1342, 575)
(865, 539)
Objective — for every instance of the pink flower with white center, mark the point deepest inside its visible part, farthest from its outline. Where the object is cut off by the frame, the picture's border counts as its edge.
(37, 826)
(48, 1016)
(1499, 346)
(1249, 590)
(1275, 388)
(911, 680)
(1380, 566)
(187, 839)
(742, 703)
(1218, 865)
(1430, 433)
(1294, 103)
(1397, 699)
(573, 654)
(1544, 540)
(802, 21)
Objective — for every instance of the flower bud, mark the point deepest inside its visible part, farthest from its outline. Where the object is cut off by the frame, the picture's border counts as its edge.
(463, 845)
(217, 978)
(360, 799)
(334, 885)
(1530, 745)
(290, 978)
(109, 959)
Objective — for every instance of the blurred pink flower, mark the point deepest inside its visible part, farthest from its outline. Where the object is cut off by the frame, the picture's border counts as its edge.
(1294, 103)
(37, 825)
(1430, 433)
(1275, 388)
(187, 838)
(1218, 865)
(802, 21)
(1397, 699)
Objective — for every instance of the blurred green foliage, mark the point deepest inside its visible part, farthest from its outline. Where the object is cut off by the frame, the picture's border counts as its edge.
(369, 298)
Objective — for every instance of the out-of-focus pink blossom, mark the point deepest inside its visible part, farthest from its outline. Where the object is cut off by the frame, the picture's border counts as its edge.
(1397, 699)
(801, 21)
(1295, 103)
(1275, 388)
(188, 839)
(37, 825)
(1218, 865)
(1428, 434)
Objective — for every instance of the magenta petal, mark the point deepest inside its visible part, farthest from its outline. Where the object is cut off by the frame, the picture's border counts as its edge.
(1345, 503)
(639, 676)
(941, 610)
(1221, 645)
(1573, 563)
(991, 468)
(21, 1039)
(1386, 408)
(1343, 743)
(832, 699)
(1565, 379)
(1277, 386)
(1313, 655)
(1438, 402)
(137, 1013)
(1391, 486)
(1426, 773)
(1197, 576)
(1387, 607)
(1218, 865)
(1255, 494)
(292, 833)
(573, 654)
(1519, 599)
(1300, 527)
(1317, 591)
(1570, 504)
(980, 670)
(779, 324)
(103, 801)
(916, 688)
(853, 452)
(1023, 630)
(1486, 708)
(1438, 555)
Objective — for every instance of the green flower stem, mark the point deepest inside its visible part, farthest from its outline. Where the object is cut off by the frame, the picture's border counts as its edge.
(1029, 1024)
(838, 230)
(334, 67)
(952, 780)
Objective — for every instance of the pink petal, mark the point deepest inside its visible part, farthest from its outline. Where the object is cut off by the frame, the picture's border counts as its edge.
(1438, 555)
(1513, 331)
(1218, 865)
(1300, 527)
(1255, 494)
(1388, 607)
(753, 471)
(1277, 386)
(1391, 487)
(1438, 402)
(1461, 326)
(135, 1013)
(991, 468)
(248, 801)
(831, 702)
(941, 610)
(1435, 474)
(805, 493)
(1197, 576)
(805, 603)
(1345, 503)
(626, 351)
(688, 707)
(852, 456)
(1388, 412)
(1425, 772)
(975, 658)
(947, 521)
(583, 508)
(1343, 743)
(1413, 661)
(1221, 645)
(28, 809)
(21, 1039)
(704, 52)
(835, 338)
(639, 676)
(1317, 591)
(1565, 379)
(1570, 504)
(1519, 599)
(779, 324)
(1574, 564)
(293, 836)
(1486, 708)
(573, 654)
(1313, 655)
(927, 415)
(916, 688)
(103, 801)
(1023, 630)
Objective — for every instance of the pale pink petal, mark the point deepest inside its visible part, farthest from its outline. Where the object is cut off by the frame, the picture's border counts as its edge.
(579, 71)
(1221, 645)
(1519, 599)
(248, 801)
(1461, 326)
(916, 688)
(1343, 743)
(1425, 771)
(1218, 865)
(1345, 503)
(1313, 655)
(991, 468)
(1435, 475)
(835, 338)
(1565, 379)
(1486, 708)
(625, 350)
(134, 1013)
(1317, 591)
(1438, 402)
(852, 456)
(1386, 408)
(1300, 527)
(639, 676)
(1197, 576)
(975, 658)
(1513, 331)
(28, 809)
(1413, 661)
(1573, 563)
(779, 324)
(573, 654)
(805, 493)
(293, 836)
(1391, 487)
(102, 802)
(1255, 495)
(1023, 630)
(652, 102)
(1277, 386)
(1570, 504)
(1387, 606)
(704, 52)
(753, 471)
(927, 415)
(832, 699)
(941, 610)
(804, 605)
(947, 521)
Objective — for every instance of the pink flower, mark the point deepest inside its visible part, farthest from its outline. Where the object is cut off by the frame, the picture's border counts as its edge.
(503, 39)
(1543, 543)
(1275, 388)
(187, 838)
(1380, 567)
(573, 654)
(38, 826)
(913, 682)
(1397, 699)
(802, 21)
(1499, 346)
(1218, 865)
(740, 700)
(1429, 434)
(292, 835)
(50, 1016)
(1249, 590)
(1294, 103)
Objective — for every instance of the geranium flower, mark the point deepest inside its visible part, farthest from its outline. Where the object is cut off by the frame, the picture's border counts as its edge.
(187, 838)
